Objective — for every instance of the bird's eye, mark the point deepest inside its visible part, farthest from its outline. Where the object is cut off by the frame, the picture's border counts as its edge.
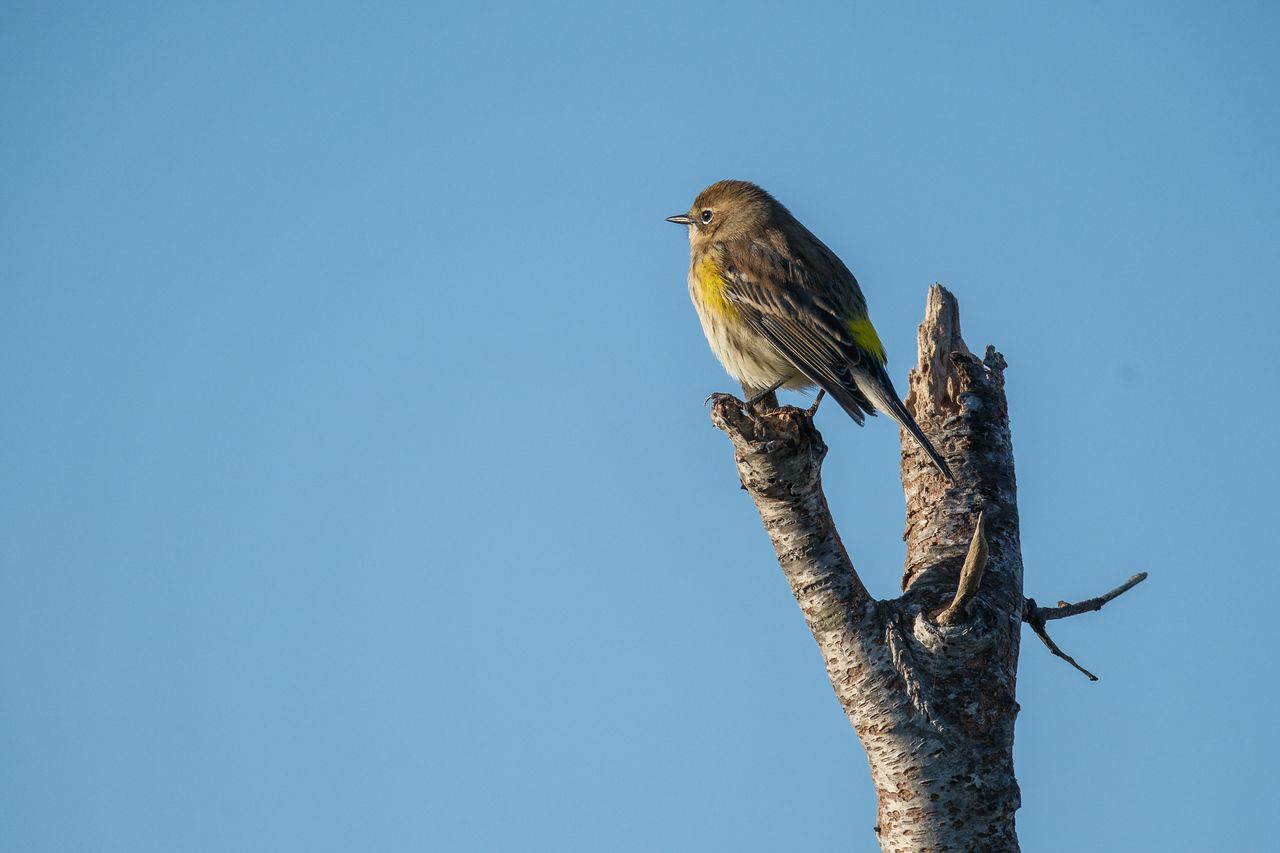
(706, 217)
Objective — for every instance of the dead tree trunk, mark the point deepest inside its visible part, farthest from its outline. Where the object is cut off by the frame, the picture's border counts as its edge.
(927, 679)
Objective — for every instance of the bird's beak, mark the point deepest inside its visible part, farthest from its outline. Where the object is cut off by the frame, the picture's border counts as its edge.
(680, 219)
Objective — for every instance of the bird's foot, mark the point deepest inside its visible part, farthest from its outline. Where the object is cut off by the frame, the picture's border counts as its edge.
(751, 408)
(719, 396)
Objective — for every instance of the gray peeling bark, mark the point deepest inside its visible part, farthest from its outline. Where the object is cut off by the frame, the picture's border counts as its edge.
(927, 679)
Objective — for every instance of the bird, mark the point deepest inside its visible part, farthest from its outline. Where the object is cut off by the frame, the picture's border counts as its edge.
(781, 310)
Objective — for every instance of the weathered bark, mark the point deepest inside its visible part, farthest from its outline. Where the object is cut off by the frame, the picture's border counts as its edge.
(926, 679)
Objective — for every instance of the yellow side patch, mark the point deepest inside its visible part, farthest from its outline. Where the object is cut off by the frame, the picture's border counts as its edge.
(712, 287)
(864, 335)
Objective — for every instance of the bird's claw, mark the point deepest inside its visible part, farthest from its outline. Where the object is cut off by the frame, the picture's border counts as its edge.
(717, 396)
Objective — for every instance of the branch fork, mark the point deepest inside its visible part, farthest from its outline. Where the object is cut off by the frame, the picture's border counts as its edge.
(927, 679)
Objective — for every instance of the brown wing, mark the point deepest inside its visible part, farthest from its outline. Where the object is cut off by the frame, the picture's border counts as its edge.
(806, 314)
(779, 299)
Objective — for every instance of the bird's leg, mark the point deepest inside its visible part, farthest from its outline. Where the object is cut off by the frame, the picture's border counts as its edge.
(813, 410)
(765, 397)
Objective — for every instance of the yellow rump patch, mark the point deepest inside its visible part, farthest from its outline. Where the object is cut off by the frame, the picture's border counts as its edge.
(864, 335)
(712, 287)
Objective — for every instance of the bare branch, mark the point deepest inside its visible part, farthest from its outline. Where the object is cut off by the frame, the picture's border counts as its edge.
(934, 708)
(1036, 616)
(1063, 610)
(779, 455)
(1036, 621)
(975, 562)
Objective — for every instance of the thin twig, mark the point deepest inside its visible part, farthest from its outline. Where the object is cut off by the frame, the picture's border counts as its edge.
(975, 562)
(1063, 610)
(1033, 618)
(1036, 616)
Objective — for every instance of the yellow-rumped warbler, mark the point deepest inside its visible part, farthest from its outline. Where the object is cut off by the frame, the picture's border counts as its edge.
(780, 310)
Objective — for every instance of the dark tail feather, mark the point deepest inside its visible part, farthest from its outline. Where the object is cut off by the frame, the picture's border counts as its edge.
(903, 417)
(885, 398)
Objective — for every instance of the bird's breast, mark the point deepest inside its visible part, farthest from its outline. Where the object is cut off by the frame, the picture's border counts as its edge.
(747, 356)
(709, 289)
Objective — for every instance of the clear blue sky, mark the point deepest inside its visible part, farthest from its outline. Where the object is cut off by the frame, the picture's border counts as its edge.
(356, 490)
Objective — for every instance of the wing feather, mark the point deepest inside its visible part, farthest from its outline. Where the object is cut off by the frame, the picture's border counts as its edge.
(807, 316)
(777, 300)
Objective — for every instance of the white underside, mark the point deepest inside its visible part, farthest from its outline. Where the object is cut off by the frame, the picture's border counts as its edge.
(748, 357)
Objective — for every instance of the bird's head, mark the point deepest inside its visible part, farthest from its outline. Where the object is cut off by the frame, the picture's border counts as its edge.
(729, 210)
